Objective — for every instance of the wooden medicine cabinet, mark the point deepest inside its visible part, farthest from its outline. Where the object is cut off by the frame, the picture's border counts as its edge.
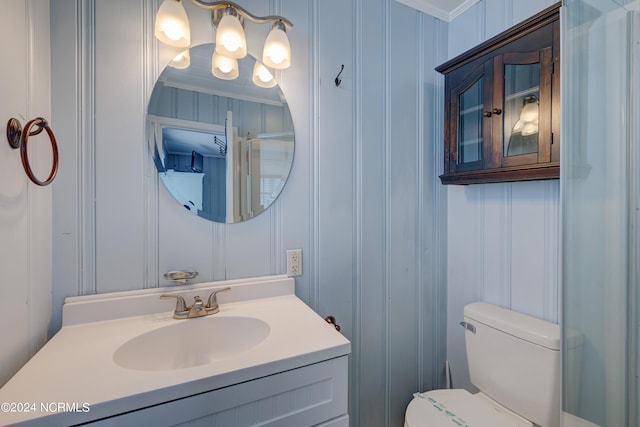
(502, 106)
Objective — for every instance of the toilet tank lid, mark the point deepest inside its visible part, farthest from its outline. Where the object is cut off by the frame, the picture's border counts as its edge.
(532, 329)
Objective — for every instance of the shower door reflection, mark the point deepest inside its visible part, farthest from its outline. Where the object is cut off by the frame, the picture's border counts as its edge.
(600, 187)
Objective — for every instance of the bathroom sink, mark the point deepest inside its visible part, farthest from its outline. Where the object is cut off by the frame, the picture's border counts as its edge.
(190, 343)
(140, 358)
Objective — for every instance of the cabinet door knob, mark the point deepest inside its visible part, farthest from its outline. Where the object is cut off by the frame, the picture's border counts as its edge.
(487, 114)
(497, 111)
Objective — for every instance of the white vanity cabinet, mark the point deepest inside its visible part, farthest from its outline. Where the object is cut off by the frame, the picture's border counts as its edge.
(314, 395)
(121, 359)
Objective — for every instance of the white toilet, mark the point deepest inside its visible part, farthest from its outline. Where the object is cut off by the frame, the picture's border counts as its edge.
(514, 360)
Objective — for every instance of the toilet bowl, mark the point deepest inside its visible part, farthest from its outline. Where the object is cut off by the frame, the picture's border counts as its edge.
(514, 360)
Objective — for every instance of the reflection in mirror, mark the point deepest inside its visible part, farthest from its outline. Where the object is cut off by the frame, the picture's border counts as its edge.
(223, 148)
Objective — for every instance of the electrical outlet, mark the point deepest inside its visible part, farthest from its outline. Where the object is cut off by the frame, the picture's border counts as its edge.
(294, 262)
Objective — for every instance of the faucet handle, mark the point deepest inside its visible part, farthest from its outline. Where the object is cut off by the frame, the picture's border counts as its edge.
(181, 304)
(212, 303)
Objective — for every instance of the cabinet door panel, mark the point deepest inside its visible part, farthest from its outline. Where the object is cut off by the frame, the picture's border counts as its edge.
(468, 100)
(521, 109)
(526, 118)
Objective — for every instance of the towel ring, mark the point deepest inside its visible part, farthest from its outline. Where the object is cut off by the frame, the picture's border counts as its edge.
(18, 138)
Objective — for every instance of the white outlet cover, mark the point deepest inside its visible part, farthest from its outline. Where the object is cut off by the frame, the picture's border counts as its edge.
(294, 262)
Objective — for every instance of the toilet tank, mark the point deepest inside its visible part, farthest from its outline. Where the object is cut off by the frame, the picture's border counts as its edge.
(515, 360)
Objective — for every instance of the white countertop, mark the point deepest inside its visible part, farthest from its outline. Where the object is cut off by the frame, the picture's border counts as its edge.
(76, 367)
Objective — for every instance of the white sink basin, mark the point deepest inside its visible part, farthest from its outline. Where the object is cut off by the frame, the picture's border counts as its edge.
(192, 342)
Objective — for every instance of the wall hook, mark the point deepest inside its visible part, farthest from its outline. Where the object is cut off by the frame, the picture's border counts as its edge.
(338, 80)
(18, 138)
(332, 321)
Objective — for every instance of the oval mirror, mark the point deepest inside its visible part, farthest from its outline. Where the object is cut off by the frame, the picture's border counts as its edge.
(223, 148)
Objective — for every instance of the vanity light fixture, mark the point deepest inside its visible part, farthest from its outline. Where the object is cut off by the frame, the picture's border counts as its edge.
(172, 27)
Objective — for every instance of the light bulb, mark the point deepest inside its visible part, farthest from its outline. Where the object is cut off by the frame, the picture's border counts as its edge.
(172, 30)
(225, 66)
(278, 54)
(172, 24)
(264, 74)
(231, 41)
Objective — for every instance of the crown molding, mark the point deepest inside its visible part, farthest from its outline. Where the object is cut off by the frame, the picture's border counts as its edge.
(429, 7)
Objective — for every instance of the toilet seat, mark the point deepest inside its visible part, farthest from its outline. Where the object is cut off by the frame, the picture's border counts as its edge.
(457, 407)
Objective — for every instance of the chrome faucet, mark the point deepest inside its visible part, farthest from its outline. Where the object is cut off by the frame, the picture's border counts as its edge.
(198, 309)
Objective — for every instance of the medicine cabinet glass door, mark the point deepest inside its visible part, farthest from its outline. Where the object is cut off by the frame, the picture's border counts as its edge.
(468, 102)
(526, 126)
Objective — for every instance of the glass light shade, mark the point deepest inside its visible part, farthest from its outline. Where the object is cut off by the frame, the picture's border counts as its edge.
(172, 24)
(530, 129)
(528, 123)
(262, 77)
(277, 51)
(230, 39)
(224, 68)
(181, 60)
(529, 112)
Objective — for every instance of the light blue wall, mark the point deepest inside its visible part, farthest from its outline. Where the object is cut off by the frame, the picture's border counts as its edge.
(503, 239)
(363, 200)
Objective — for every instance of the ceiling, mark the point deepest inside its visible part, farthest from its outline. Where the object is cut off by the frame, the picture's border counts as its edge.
(445, 10)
